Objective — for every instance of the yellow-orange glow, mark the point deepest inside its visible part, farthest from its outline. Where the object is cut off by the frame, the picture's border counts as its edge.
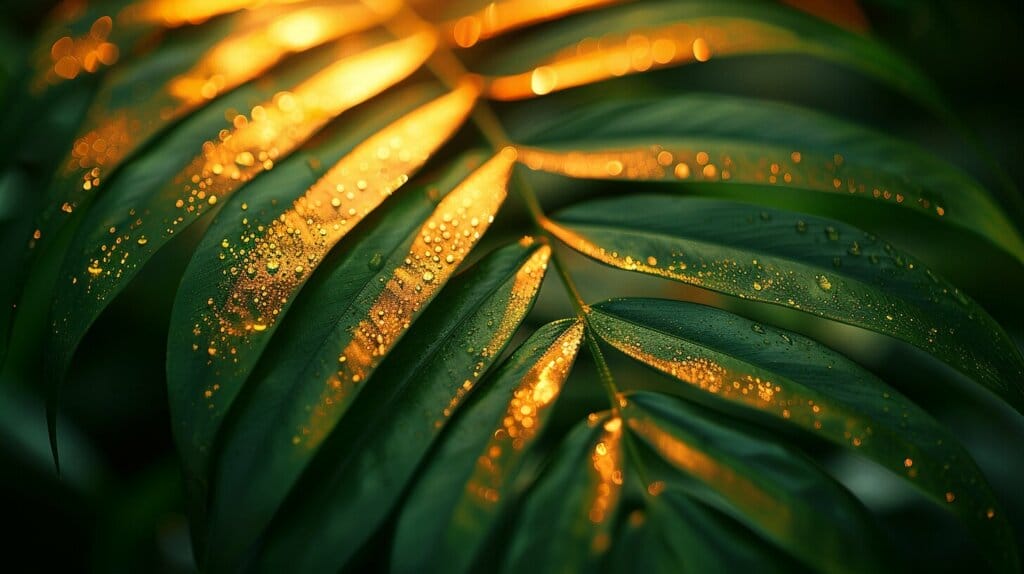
(181, 12)
(596, 59)
(454, 228)
(529, 405)
(740, 490)
(606, 460)
(247, 54)
(71, 56)
(500, 17)
(355, 186)
(524, 289)
(271, 131)
(737, 163)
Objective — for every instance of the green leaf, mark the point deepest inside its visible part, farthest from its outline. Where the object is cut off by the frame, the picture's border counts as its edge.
(793, 379)
(469, 482)
(155, 198)
(770, 146)
(141, 99)
(591, 510)
(311, 378)
(360, 474)
(242, 279)
(775, 491)
(810, 264)
(565, 55)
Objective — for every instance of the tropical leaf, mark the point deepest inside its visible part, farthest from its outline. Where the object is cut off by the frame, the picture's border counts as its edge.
(801, 383)
(355, 385)
(675, 451)
(705, 140)
(810, 264)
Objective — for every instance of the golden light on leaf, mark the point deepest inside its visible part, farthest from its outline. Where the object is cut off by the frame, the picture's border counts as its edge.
(745, 493)
(736, 163)
(457, 224)
(529, 404)
(500, 17)
(247, 54)
(71, 56)
(606, 460)
(597, 59)
(271, 131)
(355, 186)
(180, 12)
(524, 288)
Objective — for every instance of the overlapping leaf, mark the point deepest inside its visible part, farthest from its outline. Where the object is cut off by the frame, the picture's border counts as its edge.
(643, 36)
(257, 256)
(298, 399)
(810, 264)
(468, 484)
(793, 379)
(356, 481)
(708, 140)
(158, 198)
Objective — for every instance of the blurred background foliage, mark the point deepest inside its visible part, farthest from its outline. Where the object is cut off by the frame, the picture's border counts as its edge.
(119, 506)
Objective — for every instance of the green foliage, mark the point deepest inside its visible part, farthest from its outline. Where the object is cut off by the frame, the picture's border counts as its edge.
(350, 247)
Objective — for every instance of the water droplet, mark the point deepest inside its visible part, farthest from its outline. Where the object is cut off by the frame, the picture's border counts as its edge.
(801, 226)
(824, 283)
(272, 266)
(757, 328)
(428, 276)
(832, 233)
(376, 261)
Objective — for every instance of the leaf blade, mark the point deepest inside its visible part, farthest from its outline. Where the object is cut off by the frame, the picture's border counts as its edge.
(801, 383)
(800, 262)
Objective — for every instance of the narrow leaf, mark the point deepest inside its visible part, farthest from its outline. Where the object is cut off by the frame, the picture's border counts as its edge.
(776, 491)
(139, 101)
(641, 37)
(254, 261)
(796, 380)
(810, 264)
(722, 141)
(469, 482)
(592, 510)
(360, 474)
(296, 403)
(125, 228)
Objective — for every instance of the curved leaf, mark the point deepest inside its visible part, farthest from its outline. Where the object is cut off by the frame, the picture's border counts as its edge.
(497, 18)
(140, 100)
(719, 140)
(255, 259)
(775, 491)
(810, 264)
(353, 484)
(300, 397)
(130, 223)
(591, 510)
(469, 481)
(650, 35)
(793, 379)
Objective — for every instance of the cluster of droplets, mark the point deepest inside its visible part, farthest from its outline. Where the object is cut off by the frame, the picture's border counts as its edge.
(272, 262)
(530, 402)
(524, 288)
(441, 244)
(739, 164)
(606, 461)
(595, 59)
(276, 128)
(71, 56)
